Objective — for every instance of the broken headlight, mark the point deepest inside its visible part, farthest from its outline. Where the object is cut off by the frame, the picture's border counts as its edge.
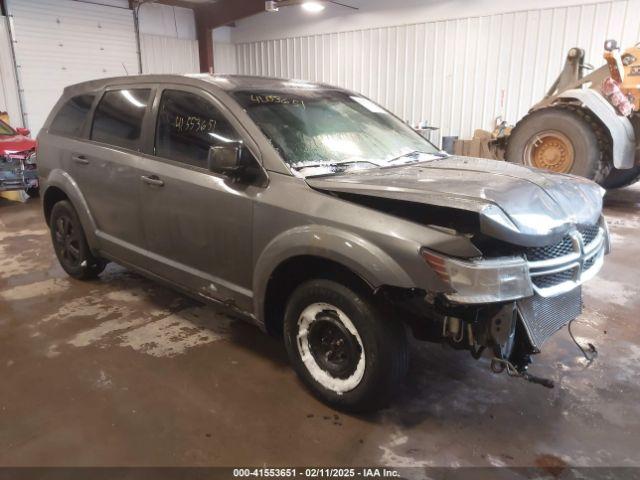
(483, 280)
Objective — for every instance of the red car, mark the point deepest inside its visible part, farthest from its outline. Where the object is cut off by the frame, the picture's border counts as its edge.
(18, 170)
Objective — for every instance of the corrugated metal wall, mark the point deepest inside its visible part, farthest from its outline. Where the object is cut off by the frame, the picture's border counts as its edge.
(162, 54)
(9, 101)
(168, 41)
(457, 74)
(224, 57)
(61, 42)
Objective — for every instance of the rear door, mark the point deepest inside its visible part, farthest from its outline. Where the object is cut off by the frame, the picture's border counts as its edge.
(198, 224)
(107, 168)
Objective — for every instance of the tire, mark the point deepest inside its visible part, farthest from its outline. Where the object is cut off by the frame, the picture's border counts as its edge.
(70, 243)
(587, 153)
(622, 178)
(342, 348)
(33, 192)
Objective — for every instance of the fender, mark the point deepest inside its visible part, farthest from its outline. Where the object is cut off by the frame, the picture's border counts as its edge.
(622, 135)
(62, 180)
(363, 258)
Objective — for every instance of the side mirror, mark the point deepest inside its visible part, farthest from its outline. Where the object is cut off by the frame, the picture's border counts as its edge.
(23, 131)
(226, 159)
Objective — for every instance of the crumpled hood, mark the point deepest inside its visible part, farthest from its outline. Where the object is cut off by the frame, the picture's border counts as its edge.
(518, 204)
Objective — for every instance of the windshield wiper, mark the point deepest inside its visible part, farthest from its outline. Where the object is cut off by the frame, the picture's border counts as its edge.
(416, 153)
(334, 164)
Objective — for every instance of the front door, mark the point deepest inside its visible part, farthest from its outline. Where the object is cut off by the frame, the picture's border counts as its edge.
(197, 225)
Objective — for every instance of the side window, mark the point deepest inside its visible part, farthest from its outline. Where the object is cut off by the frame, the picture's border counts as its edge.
(118, 118)
(70, 118)
(188, 125)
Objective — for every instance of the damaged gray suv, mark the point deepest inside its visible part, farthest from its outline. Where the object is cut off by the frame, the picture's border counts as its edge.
(321, 217)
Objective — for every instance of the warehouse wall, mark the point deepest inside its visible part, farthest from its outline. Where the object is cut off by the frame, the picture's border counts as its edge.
(61, 42)
(9, 101)
(458, 73)
(224, 51)
(168, 39)
(294, 22)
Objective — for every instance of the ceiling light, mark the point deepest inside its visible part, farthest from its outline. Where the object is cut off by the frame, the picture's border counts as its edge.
(313, 7)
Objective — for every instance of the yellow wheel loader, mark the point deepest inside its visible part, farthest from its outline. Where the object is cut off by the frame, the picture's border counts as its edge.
(586, 125)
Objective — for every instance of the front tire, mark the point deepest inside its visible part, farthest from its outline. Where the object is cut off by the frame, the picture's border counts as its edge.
(342, 348)
(561, 140)
(70, 243)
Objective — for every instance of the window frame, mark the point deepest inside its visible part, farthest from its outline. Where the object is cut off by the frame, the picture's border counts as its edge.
(144, 130)
(225, 112)
(87, 120)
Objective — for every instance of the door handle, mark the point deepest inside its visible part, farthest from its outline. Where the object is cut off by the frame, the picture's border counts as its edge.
(81, 159)
(152, 180)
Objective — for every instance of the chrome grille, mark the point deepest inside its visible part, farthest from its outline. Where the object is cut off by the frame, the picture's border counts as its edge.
(552, 279)
(560, 249)
(589, 233)
(542, 317)
(589, 262)
(557, 268)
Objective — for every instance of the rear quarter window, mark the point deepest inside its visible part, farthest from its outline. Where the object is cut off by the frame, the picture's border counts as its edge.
(119, 116)
(71, 117)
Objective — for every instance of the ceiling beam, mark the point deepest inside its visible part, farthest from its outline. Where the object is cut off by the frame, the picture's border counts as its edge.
(205, 44)
(224, 12)
(219, 14)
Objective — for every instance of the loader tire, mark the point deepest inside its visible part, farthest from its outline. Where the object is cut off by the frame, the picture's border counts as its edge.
(562, 139)
(619, 178)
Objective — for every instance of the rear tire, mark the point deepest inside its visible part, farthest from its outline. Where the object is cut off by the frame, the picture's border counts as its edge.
(580, 146)
(342, 348)
(70, 243)
(619, 178)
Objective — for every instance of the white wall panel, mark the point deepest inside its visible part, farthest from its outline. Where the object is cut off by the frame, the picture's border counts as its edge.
(458, 74)
(162, 54)
(224, 58)
(167, 21)
(9, 100)
(62, 42)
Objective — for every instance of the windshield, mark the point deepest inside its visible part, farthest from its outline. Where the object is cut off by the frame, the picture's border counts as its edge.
(318, 128)
(6, 129)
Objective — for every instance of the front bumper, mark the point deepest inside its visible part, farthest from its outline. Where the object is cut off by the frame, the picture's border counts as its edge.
(545, 272)
(543, 292)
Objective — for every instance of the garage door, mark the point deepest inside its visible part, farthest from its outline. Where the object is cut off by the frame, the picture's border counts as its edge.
(9, 101)
(62, 42)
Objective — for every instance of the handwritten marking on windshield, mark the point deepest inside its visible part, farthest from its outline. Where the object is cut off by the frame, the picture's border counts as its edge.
(276, 99)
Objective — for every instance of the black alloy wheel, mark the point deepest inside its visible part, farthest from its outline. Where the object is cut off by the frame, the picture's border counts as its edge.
(70, 243)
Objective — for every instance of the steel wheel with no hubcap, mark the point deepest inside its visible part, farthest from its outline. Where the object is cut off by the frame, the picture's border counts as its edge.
(330, 347)
(550, 150)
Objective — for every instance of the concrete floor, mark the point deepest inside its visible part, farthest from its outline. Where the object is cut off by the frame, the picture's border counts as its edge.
(122, 371)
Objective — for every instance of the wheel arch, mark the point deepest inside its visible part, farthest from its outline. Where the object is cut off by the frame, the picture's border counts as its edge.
(320, 252)
(61, 186)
